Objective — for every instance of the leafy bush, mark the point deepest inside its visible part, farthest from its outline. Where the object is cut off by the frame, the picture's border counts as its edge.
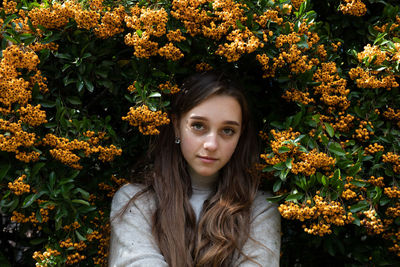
(85, 84)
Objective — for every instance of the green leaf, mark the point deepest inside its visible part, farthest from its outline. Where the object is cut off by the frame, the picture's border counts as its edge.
(275, 199)
(105, 83)
(27, 38)
(52, 179)
(158, 73)
(74, 100)
(52, 38)
(184, 47)
(283, 79)
(384, 201)
(87, 209)
(64, 56)
(61, 212)
(37, 167)
(9, 38)
(11, 205)
(86, 55)
(80, 237)
(74, 174)
(358, 111)
(102, 73)
(81, 201)
(301, 10)
(66, 190)
(47, 103)
(8, 19)
(50, 125)
(298, 139)
(336, 149)
(29, 200)
(303, 42)
(359, 183)
(283, 174)
(155, 94)
(283, 149)
(354, 169)
(368, 158)
(336, 174)
(37, 241)
(65, 67)
(378, 195)
(39, 216)
(277, 185)
(324, 180)
(268, 169)
(288, 163)
(79, 86)
(240, 25)
(89, 85)
(359, 206)
(302, 183)
(279, 166)
(324, 139)
(294, 197)
(4, 167)
(84, 193)
(329, 129)
(276, 124)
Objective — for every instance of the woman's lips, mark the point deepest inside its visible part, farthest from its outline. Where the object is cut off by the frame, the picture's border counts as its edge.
(207, 159)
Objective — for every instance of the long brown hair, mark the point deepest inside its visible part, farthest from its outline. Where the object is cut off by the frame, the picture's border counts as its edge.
(224, 224)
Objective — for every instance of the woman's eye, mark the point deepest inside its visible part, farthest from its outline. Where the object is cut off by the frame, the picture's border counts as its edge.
(228, 131)
(197, 126)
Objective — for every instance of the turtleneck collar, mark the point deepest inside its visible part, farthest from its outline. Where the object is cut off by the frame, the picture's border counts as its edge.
(202, 183)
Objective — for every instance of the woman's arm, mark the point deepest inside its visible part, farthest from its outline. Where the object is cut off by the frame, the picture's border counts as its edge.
(264, 243)
(132, 243)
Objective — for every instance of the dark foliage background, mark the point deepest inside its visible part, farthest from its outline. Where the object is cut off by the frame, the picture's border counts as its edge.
(335, 129)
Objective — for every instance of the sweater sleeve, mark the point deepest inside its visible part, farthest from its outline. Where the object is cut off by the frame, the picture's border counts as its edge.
(131, 241)
(264, 243)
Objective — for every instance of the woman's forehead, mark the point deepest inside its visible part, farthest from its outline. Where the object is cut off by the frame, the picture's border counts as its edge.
(220, 108)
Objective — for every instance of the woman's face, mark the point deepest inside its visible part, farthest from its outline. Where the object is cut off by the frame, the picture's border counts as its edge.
(209, 133)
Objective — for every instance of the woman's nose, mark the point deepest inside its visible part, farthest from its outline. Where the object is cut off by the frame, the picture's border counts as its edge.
(211, 143)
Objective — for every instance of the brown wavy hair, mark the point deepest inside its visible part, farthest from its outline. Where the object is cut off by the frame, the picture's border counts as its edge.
(224, 225)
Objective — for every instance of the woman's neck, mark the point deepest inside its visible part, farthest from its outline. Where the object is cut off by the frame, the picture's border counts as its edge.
(202, 182)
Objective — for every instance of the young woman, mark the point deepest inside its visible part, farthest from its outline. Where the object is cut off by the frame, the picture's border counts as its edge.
(200, 204)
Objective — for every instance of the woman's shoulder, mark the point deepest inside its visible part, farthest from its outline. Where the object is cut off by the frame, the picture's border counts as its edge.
(262, 205)
(127, 191)
(125, 194)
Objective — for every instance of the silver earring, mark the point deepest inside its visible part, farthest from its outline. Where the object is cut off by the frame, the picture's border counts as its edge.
(177, 140)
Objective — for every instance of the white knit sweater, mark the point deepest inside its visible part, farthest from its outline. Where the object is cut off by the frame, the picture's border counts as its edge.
(133, 245)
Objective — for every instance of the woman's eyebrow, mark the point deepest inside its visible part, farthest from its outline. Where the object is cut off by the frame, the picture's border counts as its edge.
(194, 117)
(205, 119)
(232, 123)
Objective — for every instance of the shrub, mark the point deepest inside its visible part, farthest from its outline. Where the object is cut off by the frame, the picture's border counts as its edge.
(84, 84)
